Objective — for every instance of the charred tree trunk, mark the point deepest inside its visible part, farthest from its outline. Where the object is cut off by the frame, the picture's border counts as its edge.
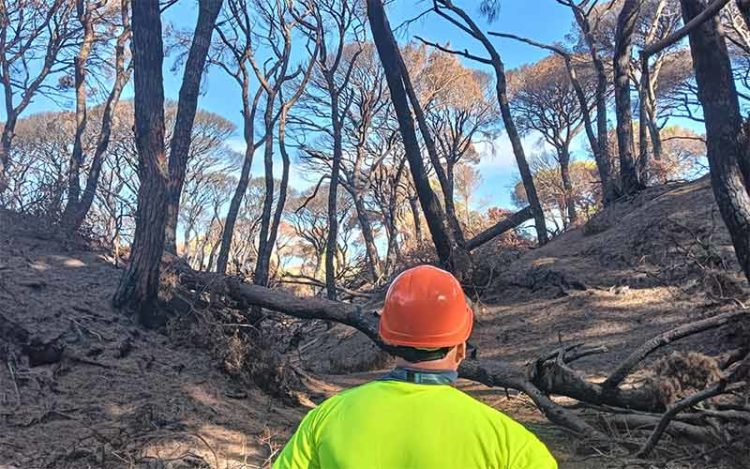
(450, 206)
(187, 106)
(648, 126)
(77, 214)
(414, 205)
(262, 265)
(373, 259)
(5, 144)
(390, 58)
(358, 186)
(515, 140)
(626, 22)
(501, 227)
(212, 255)
(333, 222)
(445, 176)
(601, 156)
(610, 191)
(80, 68)
(248, 116)
(728, 150)
(283, 187)
(570, 204)
(139, 285)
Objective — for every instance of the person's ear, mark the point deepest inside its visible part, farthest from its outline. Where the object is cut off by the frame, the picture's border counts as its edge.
(460, 352)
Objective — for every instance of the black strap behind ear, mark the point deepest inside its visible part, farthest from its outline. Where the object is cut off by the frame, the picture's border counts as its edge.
(415, 355)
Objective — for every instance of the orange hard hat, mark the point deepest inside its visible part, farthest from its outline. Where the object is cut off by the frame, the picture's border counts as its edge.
(425, 307)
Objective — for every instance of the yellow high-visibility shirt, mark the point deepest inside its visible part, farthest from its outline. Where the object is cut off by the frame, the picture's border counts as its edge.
(396, 424)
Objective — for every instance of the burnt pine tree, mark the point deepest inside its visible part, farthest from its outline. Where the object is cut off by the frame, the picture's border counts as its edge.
(187, 106)
(582, 12)
(726, 133)
(235, 34)
(271, 218)
(626, 23)
(390, 58)
(77, 208)
(139, 285)
(85, 13)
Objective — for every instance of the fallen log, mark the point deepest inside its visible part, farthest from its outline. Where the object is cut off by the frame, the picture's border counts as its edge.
(499, 228)
(549, 375)
(495, 374)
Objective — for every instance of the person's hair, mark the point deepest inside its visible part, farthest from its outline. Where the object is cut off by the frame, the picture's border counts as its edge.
(417, 355)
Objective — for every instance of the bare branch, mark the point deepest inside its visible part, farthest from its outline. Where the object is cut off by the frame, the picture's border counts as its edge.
(464, 53)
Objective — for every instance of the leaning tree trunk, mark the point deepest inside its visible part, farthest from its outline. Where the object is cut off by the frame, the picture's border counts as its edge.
(445, 177)
(626, 22)
(187, 106)
(501, 88)
(248, 117)
(139, 285)
(726, 136)
(390, 58)
(515, 139)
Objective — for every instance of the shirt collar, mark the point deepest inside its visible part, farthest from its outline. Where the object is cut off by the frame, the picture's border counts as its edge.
(410, 375)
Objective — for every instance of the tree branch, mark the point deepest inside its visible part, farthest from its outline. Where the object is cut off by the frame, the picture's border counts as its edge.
(705, 15)
(531, 42)
(624, 369)
(500, 228)
(464, 53)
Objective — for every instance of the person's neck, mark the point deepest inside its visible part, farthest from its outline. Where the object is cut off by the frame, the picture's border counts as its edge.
(433, 365)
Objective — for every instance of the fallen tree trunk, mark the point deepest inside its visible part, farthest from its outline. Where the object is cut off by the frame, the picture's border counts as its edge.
(550, 375)
(499, 228)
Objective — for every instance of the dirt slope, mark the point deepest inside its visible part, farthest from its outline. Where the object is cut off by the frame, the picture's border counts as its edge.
(642, 267)
(122, 397)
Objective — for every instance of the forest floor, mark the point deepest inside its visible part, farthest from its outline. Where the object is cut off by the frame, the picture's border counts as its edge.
(125, 397)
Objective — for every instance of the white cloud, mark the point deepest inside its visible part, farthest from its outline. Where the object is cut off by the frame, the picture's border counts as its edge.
(236, 144)
(498, 155)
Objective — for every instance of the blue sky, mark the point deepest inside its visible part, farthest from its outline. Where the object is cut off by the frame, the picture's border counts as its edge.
(544, 20)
